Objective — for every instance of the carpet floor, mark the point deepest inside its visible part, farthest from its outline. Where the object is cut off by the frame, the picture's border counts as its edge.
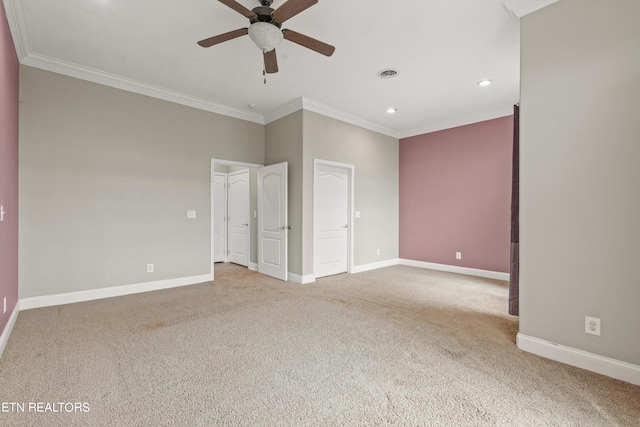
(395, 346)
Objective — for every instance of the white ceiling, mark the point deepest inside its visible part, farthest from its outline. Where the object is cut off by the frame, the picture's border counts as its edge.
(441, 49)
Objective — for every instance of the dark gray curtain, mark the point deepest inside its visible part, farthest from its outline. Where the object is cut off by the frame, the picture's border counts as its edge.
(514, 281)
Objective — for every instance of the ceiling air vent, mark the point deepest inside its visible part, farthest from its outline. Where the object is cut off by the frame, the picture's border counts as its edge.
(388, 73)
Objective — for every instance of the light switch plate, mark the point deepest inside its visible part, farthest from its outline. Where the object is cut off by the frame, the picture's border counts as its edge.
(191, 214)
(357, 214)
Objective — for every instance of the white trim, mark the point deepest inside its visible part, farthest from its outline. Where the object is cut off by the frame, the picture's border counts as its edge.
(4, 338)
(303, 280)
(101, 77)
(253, 266)
(18, 26)
(304, 103)
(524, 7)
(326, 110)
(592, 362)
(234, 163)
(116, 291)
(497, 275)
(283, 111)
(496, 114)
(375, 265)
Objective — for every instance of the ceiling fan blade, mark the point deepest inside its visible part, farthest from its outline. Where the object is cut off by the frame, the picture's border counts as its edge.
(223, 37)
(291, 8)
(309, 42)
(239, 8)
(270, 62)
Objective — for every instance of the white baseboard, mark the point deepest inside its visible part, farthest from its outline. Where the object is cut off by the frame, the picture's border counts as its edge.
(253, 266)
(592, 362)
(4, 338)
(303, 280)
(455, 269)
(374, 265)
(116, 291)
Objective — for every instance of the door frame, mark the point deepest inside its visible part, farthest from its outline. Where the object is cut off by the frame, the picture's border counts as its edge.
(350, 169)
(225, 163)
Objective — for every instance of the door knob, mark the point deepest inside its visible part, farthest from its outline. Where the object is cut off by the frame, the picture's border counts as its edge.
(345, 226)
(246, 225)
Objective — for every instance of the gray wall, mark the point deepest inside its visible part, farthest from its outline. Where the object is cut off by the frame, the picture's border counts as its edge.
(106, 178)
(376, 159)
(580, 151)
(284, 144)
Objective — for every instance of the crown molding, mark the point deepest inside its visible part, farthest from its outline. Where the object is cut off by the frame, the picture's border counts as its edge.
(283, 111)
(304, 103)
(325, 110)
(496, 114)
(19, 30)
(18, 26)
(96, 76)
(524, 7)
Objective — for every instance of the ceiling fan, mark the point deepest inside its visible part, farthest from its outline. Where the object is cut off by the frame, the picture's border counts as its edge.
(265, 29)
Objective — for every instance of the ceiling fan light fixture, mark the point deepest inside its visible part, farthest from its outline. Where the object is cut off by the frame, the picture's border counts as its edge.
(265, 35)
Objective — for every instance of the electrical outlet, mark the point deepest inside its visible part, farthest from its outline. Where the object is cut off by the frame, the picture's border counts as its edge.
(378, 252)
(149, 268)
(191, 214)
(458, 255)
(592, 325)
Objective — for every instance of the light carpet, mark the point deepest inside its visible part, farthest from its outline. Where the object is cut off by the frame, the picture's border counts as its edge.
(395, 346)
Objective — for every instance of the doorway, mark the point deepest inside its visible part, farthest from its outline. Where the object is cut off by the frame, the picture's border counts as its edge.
(235, 214)
(332, 212)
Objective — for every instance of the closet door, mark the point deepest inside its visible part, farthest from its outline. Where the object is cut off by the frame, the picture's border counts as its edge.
(219, 217)
(238, 217)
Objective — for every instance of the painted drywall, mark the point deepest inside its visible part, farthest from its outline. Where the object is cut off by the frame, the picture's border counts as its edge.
(106, 179)
(455, 195)
(9, 77)
(579, 175)
(375, 158)
(284, 144)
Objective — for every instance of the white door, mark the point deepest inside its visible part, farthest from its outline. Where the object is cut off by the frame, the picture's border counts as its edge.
(219, 217)
(272, 220)
(238, 217)
(331, 219)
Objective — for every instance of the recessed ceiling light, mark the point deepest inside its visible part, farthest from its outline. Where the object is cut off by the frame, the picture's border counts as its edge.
(485, 82)
(391, 110)
(252, 105)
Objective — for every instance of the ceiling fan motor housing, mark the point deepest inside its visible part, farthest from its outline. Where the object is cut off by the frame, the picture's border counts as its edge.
(264, 15)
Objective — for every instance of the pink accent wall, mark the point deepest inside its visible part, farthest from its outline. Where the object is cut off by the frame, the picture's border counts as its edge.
(8, 170)
(455, 195)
